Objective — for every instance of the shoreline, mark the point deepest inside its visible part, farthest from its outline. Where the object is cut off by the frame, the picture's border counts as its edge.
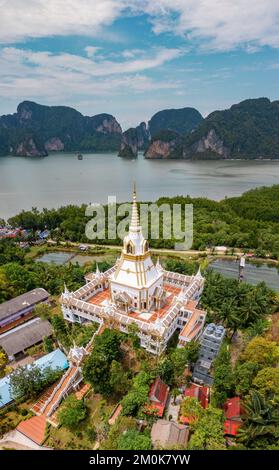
(111, 152)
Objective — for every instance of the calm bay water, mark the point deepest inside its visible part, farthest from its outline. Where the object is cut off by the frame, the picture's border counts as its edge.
(61, 179)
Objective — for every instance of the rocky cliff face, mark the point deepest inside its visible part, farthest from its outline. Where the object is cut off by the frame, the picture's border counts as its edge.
(129, 144)
(208, 144)
(54, 145)
(109, 126)
(29, 148)
(35, 130)
(165, 145)
(143, 136)
(133, 140)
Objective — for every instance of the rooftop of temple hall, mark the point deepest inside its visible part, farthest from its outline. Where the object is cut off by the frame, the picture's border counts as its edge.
(103, 298)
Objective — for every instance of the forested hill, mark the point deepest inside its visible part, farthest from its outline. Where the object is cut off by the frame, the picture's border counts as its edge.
(182, 121)
(34, 130)
(249, 129)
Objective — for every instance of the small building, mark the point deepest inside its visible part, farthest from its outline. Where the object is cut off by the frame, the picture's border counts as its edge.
(15, 342)
(232, 409)
(158, 397)
(192, 330)
(201, 393)
(211, 341)
(55, 360)
(21, 306)
(168, 434)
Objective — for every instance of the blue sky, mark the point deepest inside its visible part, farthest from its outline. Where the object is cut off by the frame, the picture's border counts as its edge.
(132, 58)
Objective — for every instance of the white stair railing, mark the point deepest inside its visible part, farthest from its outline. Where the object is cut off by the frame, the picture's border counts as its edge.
(55, 389)
(62, 393)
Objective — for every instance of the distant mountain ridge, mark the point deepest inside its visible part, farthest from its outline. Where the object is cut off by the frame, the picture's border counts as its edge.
(180, 121)
(249, 129)
(35, 129)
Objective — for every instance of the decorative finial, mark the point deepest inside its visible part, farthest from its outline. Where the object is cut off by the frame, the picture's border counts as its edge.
(97, 269)
(135, 224)
(199, 272)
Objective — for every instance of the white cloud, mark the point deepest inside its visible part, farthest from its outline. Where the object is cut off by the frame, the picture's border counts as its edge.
(70, 79)
(88, 66)
(92, 50)
(217, 25)
(42, 18)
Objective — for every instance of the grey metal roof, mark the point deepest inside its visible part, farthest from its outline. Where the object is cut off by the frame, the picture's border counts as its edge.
(17, 304)
(168, 433)
(25, 336)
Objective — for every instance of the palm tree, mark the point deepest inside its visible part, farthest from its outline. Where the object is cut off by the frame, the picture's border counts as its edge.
(261, 418)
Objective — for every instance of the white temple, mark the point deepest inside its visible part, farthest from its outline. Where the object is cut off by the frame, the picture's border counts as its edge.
(136, 283)
(136, 291)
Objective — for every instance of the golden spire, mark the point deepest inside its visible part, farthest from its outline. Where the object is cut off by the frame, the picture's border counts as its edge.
(135, 223)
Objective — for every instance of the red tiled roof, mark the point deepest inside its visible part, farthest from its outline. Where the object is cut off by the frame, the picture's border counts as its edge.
(231, 427)
(232, 408)
(158, 396)
(198, 392)
(34, 428)
(187, 419)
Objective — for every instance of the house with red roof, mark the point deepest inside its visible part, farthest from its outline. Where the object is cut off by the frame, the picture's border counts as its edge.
(158, 396)
(201, 393)
(232, 409)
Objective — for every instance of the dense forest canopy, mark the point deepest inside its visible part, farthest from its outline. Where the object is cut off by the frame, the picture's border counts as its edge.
(248, 129)
(182, 121)
(250, 221)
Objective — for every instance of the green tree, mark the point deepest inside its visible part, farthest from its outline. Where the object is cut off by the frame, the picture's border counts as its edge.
(3, 362)
(260, 422)
(166, 371)
(244, 374)
(61, 330)
(182, 357)
(96, 369)
(118, 379)
(267, 382)
(43, 311)
(48, 345)
(223, 386)
(28, 382)
(134, 440)
(191, 409)
(137, 397)
(73, 411)
(261, 351)
(236, 305)
(133, 331)
(120, 427)
(208, 431)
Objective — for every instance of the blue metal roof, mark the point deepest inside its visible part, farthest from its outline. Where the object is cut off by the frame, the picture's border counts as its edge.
(56, 360)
